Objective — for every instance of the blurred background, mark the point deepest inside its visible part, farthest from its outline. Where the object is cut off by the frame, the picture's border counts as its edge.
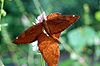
(80, 42)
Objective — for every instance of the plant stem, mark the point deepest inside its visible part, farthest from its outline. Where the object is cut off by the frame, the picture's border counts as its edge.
(30, 56)
(38, 6)
(42, 61)
(1, 63)
(2, 3)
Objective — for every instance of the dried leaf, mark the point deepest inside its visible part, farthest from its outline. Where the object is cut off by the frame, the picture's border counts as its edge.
(49, 49)
(29, 35)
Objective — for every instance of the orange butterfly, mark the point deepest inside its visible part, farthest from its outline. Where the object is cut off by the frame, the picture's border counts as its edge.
(48, 44)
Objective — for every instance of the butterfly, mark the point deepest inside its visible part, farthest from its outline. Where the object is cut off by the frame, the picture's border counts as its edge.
(47, 32)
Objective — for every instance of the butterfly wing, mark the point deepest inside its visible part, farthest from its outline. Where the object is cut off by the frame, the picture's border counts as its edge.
(29, 35)
(49, 49)
(57, 23)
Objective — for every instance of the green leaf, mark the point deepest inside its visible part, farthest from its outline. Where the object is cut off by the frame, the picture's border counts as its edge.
(97, 15)
(79, 37)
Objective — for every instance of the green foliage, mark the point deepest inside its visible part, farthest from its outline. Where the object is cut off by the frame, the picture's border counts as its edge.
(68, 62)
(81, 41)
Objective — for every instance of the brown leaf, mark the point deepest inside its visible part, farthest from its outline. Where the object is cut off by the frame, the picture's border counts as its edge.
(49, 49)
(29, 35)
(56, 22)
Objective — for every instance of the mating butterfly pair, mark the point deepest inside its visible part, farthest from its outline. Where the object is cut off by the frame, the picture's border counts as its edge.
(54, 24)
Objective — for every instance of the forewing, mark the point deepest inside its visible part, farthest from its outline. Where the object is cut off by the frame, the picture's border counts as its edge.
(49, 49)
(29, 35)
(56, 22)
